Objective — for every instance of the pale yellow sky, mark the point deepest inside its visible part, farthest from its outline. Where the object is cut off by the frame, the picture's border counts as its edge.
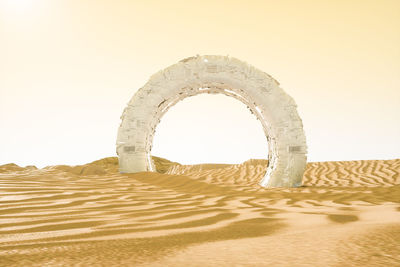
(68, 68)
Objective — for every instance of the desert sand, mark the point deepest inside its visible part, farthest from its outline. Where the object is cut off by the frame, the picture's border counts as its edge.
(347, 213)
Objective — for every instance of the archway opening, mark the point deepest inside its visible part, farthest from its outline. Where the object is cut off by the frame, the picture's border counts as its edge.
(209, 128)
(216, 74)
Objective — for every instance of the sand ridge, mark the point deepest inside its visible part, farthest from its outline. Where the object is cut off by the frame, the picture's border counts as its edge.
(346, 212)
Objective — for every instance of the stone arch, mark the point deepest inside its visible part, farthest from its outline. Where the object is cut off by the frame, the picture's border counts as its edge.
(216, 74)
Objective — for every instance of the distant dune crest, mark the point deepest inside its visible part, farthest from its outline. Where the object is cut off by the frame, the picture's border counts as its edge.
(330, 173)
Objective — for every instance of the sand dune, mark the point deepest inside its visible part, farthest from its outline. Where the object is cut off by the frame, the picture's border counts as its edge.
(346, 213)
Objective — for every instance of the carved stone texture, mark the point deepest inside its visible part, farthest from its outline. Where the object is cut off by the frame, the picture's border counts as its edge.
(216, 74)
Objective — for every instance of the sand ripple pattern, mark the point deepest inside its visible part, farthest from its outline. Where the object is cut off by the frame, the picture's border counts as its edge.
(92, 215)
(331, 173)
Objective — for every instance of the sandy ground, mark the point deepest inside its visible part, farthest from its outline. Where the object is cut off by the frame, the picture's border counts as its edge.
(345, 214)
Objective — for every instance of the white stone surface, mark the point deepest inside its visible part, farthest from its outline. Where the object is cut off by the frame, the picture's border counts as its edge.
(216, 74)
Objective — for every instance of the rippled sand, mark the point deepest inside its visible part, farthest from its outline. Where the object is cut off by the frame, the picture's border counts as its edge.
(346, 214)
